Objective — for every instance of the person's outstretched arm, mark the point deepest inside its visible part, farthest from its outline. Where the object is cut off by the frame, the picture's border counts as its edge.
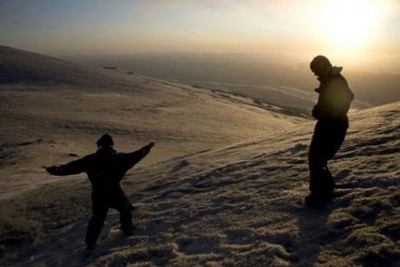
(128, 160)
(73, 167)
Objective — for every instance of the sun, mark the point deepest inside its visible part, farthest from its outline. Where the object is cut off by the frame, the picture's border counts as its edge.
(349, 24)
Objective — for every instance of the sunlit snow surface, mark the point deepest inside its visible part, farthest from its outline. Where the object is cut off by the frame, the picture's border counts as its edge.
(224, 185)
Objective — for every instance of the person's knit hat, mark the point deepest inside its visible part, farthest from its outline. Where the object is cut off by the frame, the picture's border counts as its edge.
(105, 141)
(320, 64)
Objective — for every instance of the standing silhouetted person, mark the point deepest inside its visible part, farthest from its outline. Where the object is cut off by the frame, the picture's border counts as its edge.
(105, 170)
(331, 110)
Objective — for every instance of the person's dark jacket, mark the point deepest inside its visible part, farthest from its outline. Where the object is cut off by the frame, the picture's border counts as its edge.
(335, 97)
(105, 168)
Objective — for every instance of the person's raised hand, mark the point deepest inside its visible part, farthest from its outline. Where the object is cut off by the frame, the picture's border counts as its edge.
(53, 170)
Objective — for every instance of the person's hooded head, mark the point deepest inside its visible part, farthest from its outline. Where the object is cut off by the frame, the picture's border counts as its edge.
(105, 141)
(320, 66)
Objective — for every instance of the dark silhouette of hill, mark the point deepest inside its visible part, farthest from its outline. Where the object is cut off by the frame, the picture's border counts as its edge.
(18, 66)
(22, 67)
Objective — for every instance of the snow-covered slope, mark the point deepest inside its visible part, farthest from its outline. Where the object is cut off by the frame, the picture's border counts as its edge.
(222, 187)
(54, 111)
(241, 205)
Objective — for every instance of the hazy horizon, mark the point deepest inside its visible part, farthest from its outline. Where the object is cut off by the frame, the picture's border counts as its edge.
(256, 71)
(359, 34)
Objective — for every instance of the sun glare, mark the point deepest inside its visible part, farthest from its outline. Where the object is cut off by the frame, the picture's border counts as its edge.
(350, 24)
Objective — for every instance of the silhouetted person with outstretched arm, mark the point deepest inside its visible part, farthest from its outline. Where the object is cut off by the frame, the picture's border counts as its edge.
(105, 170)
(334, 102)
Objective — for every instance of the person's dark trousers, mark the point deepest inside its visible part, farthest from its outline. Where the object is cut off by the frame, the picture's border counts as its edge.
(121, 203)
(326, 141)
(100, 207)
(103, 199)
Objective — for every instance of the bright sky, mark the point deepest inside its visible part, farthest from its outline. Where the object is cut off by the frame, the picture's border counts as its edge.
(363, 31)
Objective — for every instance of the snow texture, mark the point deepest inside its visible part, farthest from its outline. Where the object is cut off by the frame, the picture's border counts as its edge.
(234, 203)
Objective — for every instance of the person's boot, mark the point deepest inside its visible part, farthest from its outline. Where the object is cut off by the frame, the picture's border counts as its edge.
(128, 231)
(90, 243)
(90, 246)
(317, 200)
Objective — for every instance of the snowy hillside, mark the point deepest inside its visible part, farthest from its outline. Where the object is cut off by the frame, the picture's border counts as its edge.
(241, 205)
(53, 111)
(223, 186)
